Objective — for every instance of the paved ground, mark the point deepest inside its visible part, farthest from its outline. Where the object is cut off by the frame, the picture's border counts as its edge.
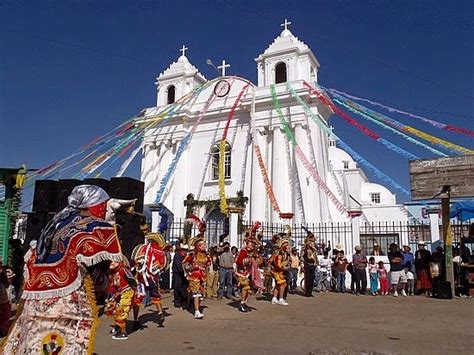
(326, 324)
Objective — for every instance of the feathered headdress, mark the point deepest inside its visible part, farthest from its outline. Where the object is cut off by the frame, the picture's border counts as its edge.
(200, 225)
(157, 238)
(251, 234)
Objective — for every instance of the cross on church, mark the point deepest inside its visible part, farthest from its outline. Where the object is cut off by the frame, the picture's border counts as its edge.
(183, 50)
(223, 66)
(285, 24)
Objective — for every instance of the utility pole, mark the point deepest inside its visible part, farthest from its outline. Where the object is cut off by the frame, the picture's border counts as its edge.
(447, 236)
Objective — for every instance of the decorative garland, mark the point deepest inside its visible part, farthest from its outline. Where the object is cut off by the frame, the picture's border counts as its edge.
(436, 124)
(244, 162)
(261, 164)
(379, 118)
(299, 153)
(223, 205)
(182, 146)
(127, 162)
(368, 132)
(349, 107)
(322, 124)
(294, 181)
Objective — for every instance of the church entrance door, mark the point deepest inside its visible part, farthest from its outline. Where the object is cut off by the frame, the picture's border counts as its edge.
(217, 226)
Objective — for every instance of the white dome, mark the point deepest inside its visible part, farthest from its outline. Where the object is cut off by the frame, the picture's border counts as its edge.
(340, 160)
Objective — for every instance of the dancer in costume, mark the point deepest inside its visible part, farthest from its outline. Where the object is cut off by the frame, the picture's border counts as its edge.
(121, 298)
(196, 264)
(58, 306)
(278, 263)
(149, 260)
(248, 262)
(310, 261)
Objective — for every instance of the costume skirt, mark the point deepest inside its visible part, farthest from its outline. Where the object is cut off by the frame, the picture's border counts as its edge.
(61, 325)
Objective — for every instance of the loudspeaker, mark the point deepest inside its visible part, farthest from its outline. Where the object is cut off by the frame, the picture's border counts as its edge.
(127, 189)
(35, 222)
(102, 183)
(65, 188)
(444, 290)
(129, 232)
(46, 192)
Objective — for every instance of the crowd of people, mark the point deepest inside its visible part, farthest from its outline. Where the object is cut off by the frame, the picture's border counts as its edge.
(78, 259)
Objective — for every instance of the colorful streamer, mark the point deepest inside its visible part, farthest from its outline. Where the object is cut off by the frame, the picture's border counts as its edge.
(322, 124)
(224, 207)
(127, 162)
(384, 126)
(361, 127)
(261, 164)
(299, 153)
(436, 124)
(354, 107)
(182, 146)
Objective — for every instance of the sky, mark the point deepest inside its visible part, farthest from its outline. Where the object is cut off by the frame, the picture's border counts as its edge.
(74, 69)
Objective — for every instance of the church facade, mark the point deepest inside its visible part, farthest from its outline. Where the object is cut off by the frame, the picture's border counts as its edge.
(287, 59)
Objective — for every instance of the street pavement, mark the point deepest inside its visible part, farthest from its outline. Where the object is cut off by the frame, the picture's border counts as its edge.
(328, 323)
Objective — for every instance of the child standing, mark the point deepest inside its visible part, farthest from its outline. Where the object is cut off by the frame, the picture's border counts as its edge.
(410, 279)
(383, 278)
(374, 276)
(341, 267)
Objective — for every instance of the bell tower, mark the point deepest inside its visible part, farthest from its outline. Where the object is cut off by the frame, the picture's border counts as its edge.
(178, 80)
(286, 59)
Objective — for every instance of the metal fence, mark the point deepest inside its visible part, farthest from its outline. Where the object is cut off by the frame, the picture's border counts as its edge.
(328, 235)
(180, 229)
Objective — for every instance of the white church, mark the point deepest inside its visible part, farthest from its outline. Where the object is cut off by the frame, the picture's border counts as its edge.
(287, 59)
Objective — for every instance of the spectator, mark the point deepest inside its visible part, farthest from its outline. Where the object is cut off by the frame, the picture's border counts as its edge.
(397, 271)
(376, 251)
(374, 276)
(383, 278)
(437, 269)
(326, 266)
(407, 256)
(226, 269)
(180, 283)
(5, 305)
(212, 274)
(422, 266)
(410, 279)
(293, 270)
(341, 267)
(359, 261)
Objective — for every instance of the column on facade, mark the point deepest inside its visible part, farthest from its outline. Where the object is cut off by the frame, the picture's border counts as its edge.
(254, 186)
(268, 136)
(180, 187)
(165, 161)
(322, 160)
(280, 180)
(151, 168)
(309, 188)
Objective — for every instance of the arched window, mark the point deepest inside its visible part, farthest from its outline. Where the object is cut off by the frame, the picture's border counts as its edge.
(280, 73)
(171, 94)
(215, 162)
(312, 75)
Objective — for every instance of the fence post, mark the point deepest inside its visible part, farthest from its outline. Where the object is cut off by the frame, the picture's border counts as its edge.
(233, 229)
(434, 227)
(355, 230)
